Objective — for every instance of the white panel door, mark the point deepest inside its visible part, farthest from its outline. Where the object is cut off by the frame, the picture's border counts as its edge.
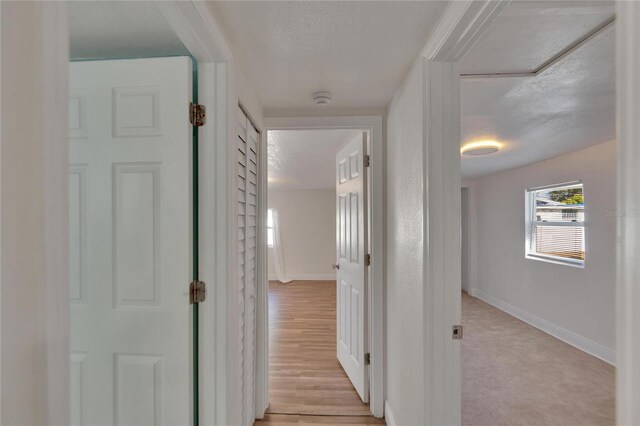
(130, 241)
(351, 238)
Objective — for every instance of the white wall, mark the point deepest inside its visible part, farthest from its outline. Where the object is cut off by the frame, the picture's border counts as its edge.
(469, 249)
(33, 190)
(464, 241)
(404, 302)
(21, 229)
(576, 304)
(248, 99)
(307, 231)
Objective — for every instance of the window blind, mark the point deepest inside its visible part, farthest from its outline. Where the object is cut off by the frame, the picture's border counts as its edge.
(561, 241)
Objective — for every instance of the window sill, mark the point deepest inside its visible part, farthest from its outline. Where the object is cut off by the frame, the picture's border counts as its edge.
(549, 259)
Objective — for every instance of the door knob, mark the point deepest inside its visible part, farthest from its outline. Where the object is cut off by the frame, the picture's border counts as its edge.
(335, 266)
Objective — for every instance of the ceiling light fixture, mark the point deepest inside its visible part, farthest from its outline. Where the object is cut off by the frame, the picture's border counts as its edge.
(481, 148)
(322, 98)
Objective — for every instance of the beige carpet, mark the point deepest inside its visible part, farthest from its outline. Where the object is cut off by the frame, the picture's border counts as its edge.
(515, 374)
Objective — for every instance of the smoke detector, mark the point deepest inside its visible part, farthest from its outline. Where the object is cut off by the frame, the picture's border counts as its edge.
(322, 98)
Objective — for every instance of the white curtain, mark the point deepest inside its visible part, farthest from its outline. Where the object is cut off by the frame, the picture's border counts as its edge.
(276, 250)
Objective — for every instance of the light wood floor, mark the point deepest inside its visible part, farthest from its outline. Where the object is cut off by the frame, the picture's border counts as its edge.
(307, 385)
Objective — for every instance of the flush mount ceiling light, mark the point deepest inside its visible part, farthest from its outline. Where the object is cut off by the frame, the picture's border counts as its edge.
(322, 98)
(481, 148)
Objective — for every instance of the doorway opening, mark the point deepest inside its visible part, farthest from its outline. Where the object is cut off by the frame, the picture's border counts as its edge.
(538, 254)
(309, 229)
(305, 375)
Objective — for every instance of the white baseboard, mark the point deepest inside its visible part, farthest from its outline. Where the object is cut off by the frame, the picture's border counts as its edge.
(388, 415)
(308, 277)
(589, 346)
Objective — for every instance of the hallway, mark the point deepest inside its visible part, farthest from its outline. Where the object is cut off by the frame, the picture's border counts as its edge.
(513, 373)
(305, 376)
(384, 159)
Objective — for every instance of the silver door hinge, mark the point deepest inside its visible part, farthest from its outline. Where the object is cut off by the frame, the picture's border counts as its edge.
(197, 292)
(197, 114)
(367, 160)
(456, 333)
(367, 358)
(367, 260)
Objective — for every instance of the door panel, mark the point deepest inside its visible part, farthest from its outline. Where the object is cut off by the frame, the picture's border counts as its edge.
(130, 241)
(351, 224)
(247, 175)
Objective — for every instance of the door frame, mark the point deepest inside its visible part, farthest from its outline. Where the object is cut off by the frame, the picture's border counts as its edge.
(628, 233)
(219, 345)
(376, 279)
(460, 26)
(201, 34)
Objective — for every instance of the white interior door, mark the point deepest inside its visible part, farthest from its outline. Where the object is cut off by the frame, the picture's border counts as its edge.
(130, 240)
(351, 238)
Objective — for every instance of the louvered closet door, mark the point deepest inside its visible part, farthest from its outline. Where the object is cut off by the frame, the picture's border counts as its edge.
(248, 139)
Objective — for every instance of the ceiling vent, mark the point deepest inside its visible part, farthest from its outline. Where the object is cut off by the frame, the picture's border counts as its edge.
(322, 98)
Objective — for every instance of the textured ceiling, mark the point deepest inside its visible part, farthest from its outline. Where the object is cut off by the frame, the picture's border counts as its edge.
(361, 51)
(528, 33)
(305, 159)
(120, 30)
(569, 106)
(358, 50)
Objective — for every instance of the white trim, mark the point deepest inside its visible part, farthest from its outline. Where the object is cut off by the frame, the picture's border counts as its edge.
(549, 62)
(571, 184)
(569, 224)
(377, 195)
(461, 25)
(324, 122)
(214, 313)
(586, 345)
(306, 277)
(54, 294)
(563, 261)
(442, 254)
(628, 255)
(262, 309)
(390, 420)
(204, 42)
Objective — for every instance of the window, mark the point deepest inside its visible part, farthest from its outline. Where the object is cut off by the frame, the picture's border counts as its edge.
(555, 224)
(269, 227)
